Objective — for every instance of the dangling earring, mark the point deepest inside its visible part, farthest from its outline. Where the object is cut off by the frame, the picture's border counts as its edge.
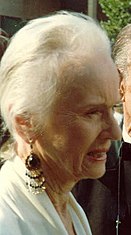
(35, 180)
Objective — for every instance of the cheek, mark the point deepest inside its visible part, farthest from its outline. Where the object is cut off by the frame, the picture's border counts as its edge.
(128, 103)
(59, 142)
(71, 137)
(82, 136)
(91, 128)
(73, 140)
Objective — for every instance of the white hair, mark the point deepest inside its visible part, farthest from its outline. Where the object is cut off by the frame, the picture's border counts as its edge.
(122, 50)
(30, 67)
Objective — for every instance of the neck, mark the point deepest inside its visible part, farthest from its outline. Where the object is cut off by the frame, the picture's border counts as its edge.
(59, 182)
(59, 179)
(59, 200)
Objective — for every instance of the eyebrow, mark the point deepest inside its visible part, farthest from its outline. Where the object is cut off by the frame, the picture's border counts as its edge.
(93, 106)
(100, 106)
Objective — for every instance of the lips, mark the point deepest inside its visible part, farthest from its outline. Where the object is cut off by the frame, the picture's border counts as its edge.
(97, 156)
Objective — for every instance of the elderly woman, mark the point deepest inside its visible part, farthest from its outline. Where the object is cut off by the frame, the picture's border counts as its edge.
(58, 85)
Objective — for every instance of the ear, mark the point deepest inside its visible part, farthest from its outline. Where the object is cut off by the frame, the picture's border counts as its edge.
(24, 128)
(122, 87)
(122, 90)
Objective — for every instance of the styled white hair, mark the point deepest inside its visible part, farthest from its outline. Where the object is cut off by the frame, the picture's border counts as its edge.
(30, 67)
(122, 50)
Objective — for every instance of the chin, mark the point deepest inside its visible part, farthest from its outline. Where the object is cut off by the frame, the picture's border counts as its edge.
(97, 173)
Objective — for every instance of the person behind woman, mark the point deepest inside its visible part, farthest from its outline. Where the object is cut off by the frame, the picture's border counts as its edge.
(122, 57)
(58, 85)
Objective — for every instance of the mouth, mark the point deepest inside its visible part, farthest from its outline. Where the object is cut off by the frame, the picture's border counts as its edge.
(97, 156)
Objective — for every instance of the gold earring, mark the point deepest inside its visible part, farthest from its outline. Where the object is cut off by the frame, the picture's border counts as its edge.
(35, 180)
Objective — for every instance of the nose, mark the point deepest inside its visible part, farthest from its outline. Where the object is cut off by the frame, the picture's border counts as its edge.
(111, 128)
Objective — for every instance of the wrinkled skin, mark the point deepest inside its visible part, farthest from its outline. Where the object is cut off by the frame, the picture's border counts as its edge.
(126, 96)
(81, 125)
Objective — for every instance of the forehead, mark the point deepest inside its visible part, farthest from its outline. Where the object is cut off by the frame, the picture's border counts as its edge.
(82, 79)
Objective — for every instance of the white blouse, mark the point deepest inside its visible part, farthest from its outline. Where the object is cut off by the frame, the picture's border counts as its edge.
(22, 213)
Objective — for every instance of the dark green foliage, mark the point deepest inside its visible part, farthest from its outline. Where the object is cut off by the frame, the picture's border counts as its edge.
(118, 14)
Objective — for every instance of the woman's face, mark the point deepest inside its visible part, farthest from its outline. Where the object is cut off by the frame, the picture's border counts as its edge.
(81, 125)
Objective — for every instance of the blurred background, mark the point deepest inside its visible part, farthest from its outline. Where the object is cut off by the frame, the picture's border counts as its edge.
(112, 14)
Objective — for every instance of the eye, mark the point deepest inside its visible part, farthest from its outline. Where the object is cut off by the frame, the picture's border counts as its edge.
(91, 113)
(118, 107)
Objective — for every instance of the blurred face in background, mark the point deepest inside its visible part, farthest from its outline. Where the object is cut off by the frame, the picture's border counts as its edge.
(126, 95)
